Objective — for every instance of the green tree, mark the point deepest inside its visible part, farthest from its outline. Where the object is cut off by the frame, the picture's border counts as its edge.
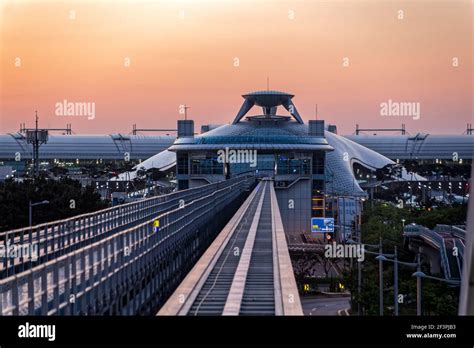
(66, 198)
(385, 221)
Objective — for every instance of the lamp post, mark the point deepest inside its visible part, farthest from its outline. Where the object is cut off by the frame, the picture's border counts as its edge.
(395, 281)
(359, 287)
(30, 215)
(359, 270)
(380, 279)
(383, 257)
(31, 205)
(419, 274)
(418, 286)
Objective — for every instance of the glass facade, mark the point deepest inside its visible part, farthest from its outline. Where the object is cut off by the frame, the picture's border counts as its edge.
(208, 165)
(265, 162)
(318, 162)
(265, 137)
(286, 164)
(317, 199)
(182, 163)
(238, 168)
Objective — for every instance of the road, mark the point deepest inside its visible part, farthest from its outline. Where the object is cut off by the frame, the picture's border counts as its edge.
(320, 305)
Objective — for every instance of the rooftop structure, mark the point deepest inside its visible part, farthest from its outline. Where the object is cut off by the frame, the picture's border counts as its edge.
(309, 166)
(269, 101)
(85, 147)
(427, 147)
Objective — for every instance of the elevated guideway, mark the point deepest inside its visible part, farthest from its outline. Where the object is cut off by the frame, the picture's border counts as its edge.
(117, 261)
(447, 241)
(246, 270)
(56, 238)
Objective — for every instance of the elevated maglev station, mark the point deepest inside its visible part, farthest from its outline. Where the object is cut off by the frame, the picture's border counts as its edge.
(309, 166)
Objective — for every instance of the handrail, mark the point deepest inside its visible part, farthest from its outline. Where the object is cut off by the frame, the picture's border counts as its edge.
(437, 241)
(48, 286)
(56, 238)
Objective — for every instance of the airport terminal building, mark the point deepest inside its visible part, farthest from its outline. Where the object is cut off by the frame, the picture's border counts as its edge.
(316, 172)
(310, 166)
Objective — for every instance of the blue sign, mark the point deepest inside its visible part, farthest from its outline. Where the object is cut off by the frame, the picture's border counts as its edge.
(322, 225)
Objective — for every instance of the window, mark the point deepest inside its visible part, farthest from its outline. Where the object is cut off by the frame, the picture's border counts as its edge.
(289, 165)
(318, 163)
(183, 184)
(182, 163)
(208, 165)
(317, 199)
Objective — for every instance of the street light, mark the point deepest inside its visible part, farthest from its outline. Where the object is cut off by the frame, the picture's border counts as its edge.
(31, 205)
(395, 261)
(420, 274)
(359, 270)
(30, 210)
(381, 254)
(380, 279)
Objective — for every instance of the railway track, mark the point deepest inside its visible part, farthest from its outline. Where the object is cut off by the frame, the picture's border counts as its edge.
(246, 271)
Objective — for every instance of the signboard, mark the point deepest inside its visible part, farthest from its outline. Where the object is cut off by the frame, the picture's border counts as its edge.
(322, 225)
(156, 225)
(40, 135)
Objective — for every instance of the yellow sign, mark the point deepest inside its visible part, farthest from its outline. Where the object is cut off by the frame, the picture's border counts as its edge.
(156, 225)
(306, 287)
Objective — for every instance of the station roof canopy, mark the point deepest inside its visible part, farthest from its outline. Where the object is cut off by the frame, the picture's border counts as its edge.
(269, 102)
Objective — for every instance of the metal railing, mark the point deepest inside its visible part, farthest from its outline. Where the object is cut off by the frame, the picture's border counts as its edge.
(435, 239)
(455, 230)
(53, 239)
(77, 280)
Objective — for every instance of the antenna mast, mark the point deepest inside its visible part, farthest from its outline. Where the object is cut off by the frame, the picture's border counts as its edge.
(186, 111)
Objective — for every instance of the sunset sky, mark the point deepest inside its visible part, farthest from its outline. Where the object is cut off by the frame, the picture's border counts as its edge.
(186, 52)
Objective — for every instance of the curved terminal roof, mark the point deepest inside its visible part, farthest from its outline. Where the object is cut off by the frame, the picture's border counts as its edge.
(107, 147)
(419, 146)
(163, 161)
(339, 164)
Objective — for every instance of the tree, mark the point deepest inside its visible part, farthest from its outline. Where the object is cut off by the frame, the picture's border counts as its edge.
(384, 221)
(66, 198)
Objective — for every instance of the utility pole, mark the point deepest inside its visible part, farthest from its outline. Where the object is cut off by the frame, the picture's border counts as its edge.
(380, 279)
(36, 137)
(36, 146)
(395, 284)
(359, 286)
(418, 285)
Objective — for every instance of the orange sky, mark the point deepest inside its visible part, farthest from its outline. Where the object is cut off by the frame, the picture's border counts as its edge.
(176, 59)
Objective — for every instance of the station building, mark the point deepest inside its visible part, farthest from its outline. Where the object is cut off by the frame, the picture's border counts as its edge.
(310, 166)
